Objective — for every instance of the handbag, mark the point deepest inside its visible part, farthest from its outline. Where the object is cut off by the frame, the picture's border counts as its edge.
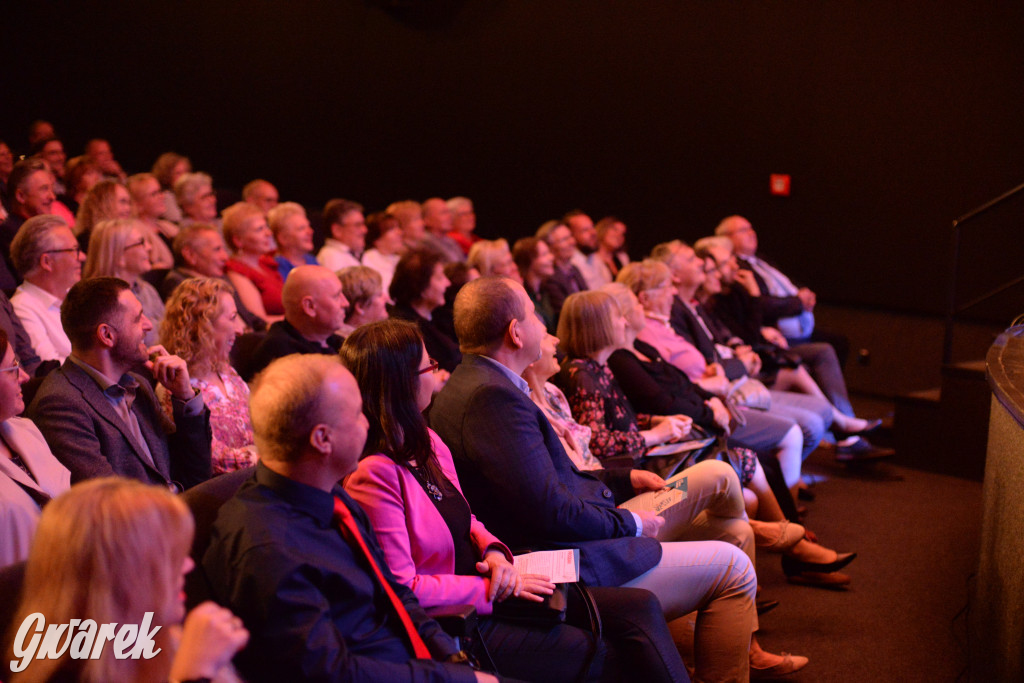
(550, 612)
(749, 393)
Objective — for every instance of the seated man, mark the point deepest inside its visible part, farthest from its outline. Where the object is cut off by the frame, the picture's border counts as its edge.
(48, 257)
(199, 251)
(345, 226)
(29, 194)
(314, 309)
(260, 193)
(101, 419)
(520, 482)
(319, 604)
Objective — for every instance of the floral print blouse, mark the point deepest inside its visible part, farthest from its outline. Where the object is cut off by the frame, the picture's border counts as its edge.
(574, 436)
(232, 445)
(597, 402)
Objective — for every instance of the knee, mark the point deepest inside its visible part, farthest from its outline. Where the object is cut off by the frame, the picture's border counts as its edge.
(720, 475)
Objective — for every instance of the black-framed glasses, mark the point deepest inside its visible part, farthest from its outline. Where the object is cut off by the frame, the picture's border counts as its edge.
(12, 368)
(432, 366)
(76, 249)
(140, 243)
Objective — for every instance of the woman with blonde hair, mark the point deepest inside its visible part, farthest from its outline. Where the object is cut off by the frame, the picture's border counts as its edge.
(167, 168)
(120, 248)
(493, 257)
(200, 325)
(252, 270)
(114, 550)
(106, 200)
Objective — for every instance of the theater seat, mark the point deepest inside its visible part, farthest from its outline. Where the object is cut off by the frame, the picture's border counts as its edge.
(11, 579)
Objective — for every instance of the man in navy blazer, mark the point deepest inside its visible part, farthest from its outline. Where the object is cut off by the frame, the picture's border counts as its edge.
(520, 482)
(99, 418)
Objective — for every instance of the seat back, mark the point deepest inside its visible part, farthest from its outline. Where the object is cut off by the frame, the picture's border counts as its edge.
(12, 577)
(205, 500)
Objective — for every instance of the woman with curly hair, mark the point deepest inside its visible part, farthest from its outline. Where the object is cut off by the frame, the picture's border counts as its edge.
(200, 325)
(120, 248)
(114, 550)
(106, 200)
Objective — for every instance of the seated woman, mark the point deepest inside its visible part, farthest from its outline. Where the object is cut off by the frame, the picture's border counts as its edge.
(611, 256)
(196, 198)
(201, 325)
(252, 270)
(149, 207)
(384, 235)
(407, 485)
(493, 257)
(119, 248)
(80, 175)
(167, 168)
(652, 385)
(590, 329)
(366, 296)
(536, 264)
(29, 474)
(651, 282)
(115, 550)
(290, 227)
(108, 199)
(418, 289)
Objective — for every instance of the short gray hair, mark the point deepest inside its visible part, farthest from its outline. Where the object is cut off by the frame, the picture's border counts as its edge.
(34, 237)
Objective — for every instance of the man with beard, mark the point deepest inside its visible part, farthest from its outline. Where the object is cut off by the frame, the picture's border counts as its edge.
(102, 419)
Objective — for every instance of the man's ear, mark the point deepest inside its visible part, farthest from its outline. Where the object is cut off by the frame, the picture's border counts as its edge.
(308, 306)
(20, 196)
(514, 334)
(320, 439)
(106, 335)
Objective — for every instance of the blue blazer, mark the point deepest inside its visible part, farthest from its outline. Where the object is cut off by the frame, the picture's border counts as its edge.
(91, 439)
(522, 485)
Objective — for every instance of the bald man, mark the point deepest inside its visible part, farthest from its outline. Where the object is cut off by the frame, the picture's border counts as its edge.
(314, 308)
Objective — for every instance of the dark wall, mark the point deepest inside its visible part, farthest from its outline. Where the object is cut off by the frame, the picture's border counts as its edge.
(892, 117)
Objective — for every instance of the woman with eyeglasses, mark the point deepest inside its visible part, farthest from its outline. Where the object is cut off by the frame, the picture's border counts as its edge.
(119, 248)
(407, 484)
(29, 474)
(106, 200)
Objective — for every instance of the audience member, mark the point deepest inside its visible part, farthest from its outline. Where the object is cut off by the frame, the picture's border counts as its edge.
(6, 166)
(519, 480)
(98, 152)
(418, 289)
(106, 200)
(120, 249)
(199, 251)
(49, 259)
(536, 264)
(19, 338)
(584, 235)
(346, 235)
(194, 194)
(567, 278)
(29, 194)
(167, 168)
(99, 417)
(80, 176)
(149, 207)
(314, 309)
(407, 486)
(40, 130)
(115, 552)
(410, 217)
(252, 270)
(29, 474)
(437, 219)
(320, 605)
(201, 326)
(493, 258)
(610, 256)
(463, 223)
(293, 235)
(51, 150)
(261, 194)
(367, 299)
(384, 235)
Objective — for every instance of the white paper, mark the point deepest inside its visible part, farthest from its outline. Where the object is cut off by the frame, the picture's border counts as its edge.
(559, 566)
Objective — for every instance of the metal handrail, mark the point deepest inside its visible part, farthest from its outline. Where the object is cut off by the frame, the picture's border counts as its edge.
(952, 309)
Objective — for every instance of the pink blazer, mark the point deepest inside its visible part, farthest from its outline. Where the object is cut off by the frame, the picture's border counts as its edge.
(416, 541)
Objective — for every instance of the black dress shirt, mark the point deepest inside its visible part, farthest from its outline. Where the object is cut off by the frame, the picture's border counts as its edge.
(313, 606)
(283, 340)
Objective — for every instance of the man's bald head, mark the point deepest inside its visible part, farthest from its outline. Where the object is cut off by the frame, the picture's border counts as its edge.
(313, 300)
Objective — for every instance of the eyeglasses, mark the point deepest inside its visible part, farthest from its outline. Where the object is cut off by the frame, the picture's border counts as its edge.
(76, 249)
(12, 368)
(432, 366)
(140, 243)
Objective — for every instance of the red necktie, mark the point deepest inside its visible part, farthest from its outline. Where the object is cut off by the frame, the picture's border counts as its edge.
(350, 530)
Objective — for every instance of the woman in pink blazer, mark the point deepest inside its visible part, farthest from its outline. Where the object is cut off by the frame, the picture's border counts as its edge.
(406, 483)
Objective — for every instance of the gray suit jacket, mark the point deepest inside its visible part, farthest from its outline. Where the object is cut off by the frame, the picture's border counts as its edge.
(92, 440)
(522, 485)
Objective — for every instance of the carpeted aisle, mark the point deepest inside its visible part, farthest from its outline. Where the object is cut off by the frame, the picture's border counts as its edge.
(916, 535)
